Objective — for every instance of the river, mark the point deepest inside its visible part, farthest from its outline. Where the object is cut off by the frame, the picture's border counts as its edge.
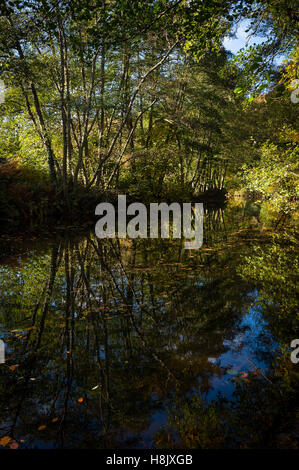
(144, 344)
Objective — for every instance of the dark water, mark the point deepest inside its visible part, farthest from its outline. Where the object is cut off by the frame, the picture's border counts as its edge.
(122, 344)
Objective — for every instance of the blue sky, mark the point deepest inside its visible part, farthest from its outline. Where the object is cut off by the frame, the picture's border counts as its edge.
(242, 40)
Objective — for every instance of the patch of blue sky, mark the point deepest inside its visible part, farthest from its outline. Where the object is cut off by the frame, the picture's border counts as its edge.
(243, 38)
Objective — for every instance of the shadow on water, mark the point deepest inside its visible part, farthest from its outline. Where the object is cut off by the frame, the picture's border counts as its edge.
(125, 344)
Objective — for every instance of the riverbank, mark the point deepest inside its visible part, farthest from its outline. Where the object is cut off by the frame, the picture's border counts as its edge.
(29, 202)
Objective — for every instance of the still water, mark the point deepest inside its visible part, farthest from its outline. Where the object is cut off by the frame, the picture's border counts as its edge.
(143, 344)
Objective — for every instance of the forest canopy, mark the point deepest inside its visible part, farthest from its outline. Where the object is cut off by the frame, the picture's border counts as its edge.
(142, 96)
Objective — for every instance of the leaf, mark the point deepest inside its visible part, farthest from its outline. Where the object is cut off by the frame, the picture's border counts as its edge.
(232, 371)
(14, 367)
(54, 420)
(5, 440)
(42, 427)
(238, 90)
(14, 445)
(80, 400)
(94, 388)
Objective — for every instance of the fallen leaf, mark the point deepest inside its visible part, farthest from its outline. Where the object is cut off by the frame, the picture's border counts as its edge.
(42, 427)
(94, 388)
(54, 420)
(14, 367)
(13, 445)
(80, 400)
(5, 440)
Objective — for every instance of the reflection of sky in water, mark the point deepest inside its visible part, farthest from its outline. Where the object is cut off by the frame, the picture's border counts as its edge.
(249, 348)
(252, 346)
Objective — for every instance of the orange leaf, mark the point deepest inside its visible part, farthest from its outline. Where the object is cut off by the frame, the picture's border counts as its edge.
(13, 445)
(13, 367)
(80, 400)
(42, 427)
(54, 420)
(5, 440)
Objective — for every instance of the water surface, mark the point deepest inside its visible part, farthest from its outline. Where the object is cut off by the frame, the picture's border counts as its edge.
(143, 344)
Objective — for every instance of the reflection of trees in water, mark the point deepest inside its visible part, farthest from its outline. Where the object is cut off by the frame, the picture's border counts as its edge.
(214, 225)
(115, 316)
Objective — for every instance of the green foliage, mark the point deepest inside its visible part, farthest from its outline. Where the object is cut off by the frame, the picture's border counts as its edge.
(24, 195)
(274, 267)
(275, 177)
(197, 425)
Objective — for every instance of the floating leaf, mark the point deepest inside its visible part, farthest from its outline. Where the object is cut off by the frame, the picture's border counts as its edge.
(5, 440)
(232, 371)
(13, 445)
(42, 427)
(80, 400)
(31, 328)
